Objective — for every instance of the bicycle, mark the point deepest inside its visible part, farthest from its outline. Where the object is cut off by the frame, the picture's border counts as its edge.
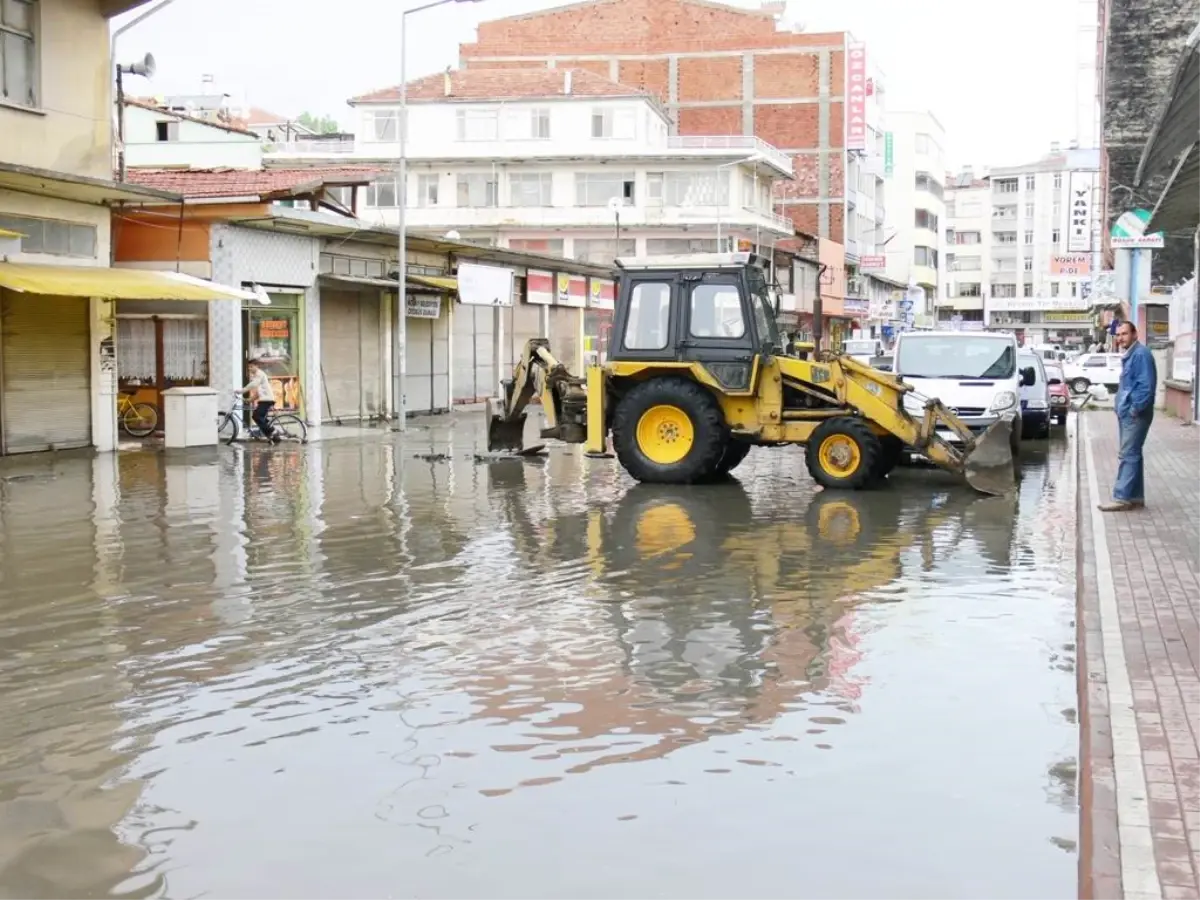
(288, 426)
(138, 419)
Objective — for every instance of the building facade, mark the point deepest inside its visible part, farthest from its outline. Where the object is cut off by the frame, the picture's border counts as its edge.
(562, 162)
(912, 243)
(1020, 244)
(718, 70)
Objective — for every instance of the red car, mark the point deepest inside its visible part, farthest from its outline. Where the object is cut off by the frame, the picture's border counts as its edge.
(1060, 395)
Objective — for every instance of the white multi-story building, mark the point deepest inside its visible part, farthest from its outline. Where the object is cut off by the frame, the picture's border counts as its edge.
(915, 201)
(1021, 247)
(559, 161)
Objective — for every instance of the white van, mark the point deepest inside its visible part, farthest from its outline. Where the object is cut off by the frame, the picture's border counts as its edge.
(862, 349)
(974, 373)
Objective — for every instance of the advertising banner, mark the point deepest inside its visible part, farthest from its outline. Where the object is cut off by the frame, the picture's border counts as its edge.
(856, 97)
(1079, 228)
(1071, 264)
(539, 287)
(484, 285)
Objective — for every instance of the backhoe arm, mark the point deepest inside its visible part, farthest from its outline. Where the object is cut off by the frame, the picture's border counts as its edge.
(536, 373)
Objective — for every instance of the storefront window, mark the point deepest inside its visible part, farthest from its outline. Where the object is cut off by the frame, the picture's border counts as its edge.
(272, 338)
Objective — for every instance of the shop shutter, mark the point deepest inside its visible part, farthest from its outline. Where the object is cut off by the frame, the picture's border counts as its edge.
(45, 362)
(487, 379)
(341, 356)
(565, 323)
(440, 369)
(419, 377)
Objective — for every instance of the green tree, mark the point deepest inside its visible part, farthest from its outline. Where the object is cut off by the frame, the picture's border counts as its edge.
(319, 124)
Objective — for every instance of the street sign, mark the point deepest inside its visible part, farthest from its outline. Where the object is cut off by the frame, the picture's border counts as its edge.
(873, 263)
(1129, 232)
(889, 163)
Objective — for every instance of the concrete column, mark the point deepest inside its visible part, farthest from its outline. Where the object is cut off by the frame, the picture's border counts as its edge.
(102, 318)
(747, 93)
(825, 69)
(673, 92)
(311, 377)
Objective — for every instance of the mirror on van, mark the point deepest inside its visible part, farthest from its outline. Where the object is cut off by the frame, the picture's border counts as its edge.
(1028, 377)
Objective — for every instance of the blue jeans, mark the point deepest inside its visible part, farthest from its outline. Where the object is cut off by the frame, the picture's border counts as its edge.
(1131, 480)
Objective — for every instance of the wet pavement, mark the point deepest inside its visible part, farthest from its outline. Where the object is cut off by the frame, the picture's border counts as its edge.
(339, 670)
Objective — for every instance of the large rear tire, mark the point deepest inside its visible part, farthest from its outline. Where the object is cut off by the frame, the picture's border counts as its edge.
(891, 451)
(735, 452)
(669, 431)
(843, 453)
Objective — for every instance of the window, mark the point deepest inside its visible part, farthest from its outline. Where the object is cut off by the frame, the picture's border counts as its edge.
(926, 182)
(1028, 263)
(966, 237)
(613, 123)
(1004, 290)
(1027, 290)
(1006, 237)
(649, 315)
(1030, 182)
(654, 186)
(966, 264)
(539, 124)
(18, 52)
(1058, 181)
(1054, 289)
(427, 190)
(478, 124)
(478, 191)
(696, 189)
(1029, 236)
(382, 125)
(1004, 212)
(597, 188)
(925, 256)
(925, 219)
(382, 194)
(1004, 265)
(1074, 289)
(551, 246)
(1055, 236)
(1006, 185)
(673, 246)
(923, 144)
(530, 189)
(342, 194)
(52, 237)
(602, 251)
(1029, 210)
(716, 312)
(166, 131)
(970, 289)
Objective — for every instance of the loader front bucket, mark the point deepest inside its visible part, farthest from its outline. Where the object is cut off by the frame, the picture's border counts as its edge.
(504, 434)
(989, 467)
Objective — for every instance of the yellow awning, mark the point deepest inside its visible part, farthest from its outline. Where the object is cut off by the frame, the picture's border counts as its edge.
(441, 282)
(5, 233)
(112, 284)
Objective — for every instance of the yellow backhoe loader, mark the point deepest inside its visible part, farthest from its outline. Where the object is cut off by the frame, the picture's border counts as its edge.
(697, 374)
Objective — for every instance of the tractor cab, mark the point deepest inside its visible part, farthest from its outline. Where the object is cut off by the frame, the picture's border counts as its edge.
(709, 308)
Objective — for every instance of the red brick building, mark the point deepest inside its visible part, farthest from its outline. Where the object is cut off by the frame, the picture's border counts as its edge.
(719, 69)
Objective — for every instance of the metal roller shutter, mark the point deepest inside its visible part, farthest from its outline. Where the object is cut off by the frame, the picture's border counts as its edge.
(523, 322)
(564, 335)
(350, 354)
(45, 361)
(419, 377)
(440, 334)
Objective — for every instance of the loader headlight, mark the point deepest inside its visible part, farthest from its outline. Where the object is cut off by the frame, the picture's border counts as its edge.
(1003, 401)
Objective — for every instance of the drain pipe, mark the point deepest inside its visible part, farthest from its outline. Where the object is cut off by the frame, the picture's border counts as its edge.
(112, 62)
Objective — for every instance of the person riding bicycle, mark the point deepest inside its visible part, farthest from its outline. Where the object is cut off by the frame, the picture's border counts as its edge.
(259, 389)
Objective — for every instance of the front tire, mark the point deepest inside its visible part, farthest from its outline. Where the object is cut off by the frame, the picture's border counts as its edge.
(843, 453)
(228, 428)
(1080, 385)
(290, 428)
(140, 419)
(669, 431)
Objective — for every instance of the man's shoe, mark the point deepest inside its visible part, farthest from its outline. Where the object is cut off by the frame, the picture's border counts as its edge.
(1115, 506)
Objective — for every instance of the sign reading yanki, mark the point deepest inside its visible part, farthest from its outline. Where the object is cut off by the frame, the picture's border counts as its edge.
(1129, 232)
(1079, 232)
(856, 97)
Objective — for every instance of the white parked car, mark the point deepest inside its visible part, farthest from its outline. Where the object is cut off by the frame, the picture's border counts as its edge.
(1093, 368)
(862, 349)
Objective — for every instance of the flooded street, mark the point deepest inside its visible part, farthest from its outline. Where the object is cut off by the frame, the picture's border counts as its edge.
(341, 670)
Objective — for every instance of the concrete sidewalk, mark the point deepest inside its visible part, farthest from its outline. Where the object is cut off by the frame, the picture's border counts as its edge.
(1140, 668)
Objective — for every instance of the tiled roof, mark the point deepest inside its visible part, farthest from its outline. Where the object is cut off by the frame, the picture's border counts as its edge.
(185, 117)
(504, 84)
(212, 183)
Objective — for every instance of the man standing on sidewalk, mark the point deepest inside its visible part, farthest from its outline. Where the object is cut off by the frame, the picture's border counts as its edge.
(1135, 412)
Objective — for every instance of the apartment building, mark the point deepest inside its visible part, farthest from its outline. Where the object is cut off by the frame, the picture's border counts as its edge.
(913, 238)
(718, 70)
(558, 161)
(1020, 246)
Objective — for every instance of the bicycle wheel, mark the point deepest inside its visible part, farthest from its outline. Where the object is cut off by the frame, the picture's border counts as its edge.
(290, 428)
(139, 419)
(228, 428)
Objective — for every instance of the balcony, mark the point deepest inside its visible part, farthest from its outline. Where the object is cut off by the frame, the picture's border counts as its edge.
(314, 148)
(752, 145)
(445, 218)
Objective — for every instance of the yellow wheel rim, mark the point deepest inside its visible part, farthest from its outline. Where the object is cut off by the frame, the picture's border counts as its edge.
(665, 434)
(839, 455)
(838, 522)
(662, 529)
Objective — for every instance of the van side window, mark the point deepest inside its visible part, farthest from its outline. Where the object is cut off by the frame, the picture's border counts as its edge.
(647, 327)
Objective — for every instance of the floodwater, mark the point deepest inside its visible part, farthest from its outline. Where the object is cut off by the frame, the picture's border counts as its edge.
(343, 671)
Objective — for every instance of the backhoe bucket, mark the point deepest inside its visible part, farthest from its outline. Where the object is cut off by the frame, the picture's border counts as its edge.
(504, 434)
(989, 466)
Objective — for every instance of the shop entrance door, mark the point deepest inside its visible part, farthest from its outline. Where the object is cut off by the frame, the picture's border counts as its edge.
(271, 335)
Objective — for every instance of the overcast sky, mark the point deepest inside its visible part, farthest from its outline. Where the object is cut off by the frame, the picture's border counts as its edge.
(999, 74)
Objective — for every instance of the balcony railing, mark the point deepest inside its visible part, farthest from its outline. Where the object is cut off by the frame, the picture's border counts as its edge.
(747, 142)
(314, 147)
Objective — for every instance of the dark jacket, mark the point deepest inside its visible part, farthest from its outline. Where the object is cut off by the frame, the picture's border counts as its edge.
(1139, 380)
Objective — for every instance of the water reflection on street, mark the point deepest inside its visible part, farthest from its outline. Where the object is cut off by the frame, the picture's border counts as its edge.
(340, 670)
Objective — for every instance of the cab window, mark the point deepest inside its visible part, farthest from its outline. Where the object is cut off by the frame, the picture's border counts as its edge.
(649, 316)
(716, 312)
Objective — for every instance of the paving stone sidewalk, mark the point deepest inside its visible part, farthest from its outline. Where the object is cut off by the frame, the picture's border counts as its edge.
(1140, 667)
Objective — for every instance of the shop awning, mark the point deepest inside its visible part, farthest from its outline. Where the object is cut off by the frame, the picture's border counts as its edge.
(1177, 208)
(359, 281)
(112, 284)
(439, 282)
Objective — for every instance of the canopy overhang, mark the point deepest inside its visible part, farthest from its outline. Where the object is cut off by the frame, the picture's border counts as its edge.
(113, 284)
(1178, 206)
